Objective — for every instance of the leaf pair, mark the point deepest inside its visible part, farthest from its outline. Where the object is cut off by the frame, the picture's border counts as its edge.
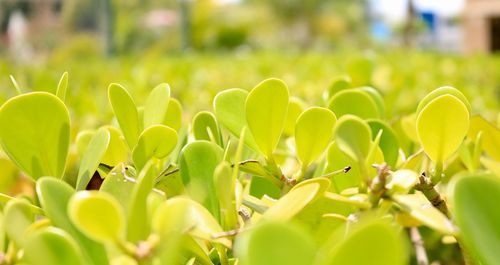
(442, 122)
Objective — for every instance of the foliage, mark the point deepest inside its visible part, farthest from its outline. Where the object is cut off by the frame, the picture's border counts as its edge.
(259, 178)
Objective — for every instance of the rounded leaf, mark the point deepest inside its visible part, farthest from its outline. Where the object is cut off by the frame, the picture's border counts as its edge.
(378, 241)
(156, 141)
(356, 102)
(441, 126)
(92, 157)
(293, 202)
(180, 215)
(52, 246)
(205, 127)
(313, 132)
(34, 132)
(475, 204)
(353, 137)
(275, 243)
(156, 105)
(229, 108)
(266, 109)
(446, 90)
(173, 118)
(197, 164)
(389, 143)
(98, 215)
(295, 108)
(126, 113)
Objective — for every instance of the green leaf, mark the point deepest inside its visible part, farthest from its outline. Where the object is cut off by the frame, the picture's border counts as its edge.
(360, 70)
(156, 105)
(92, 157)
(52, 246)
(187, 216)
(338, 84)
(275, 243)
(173, 117)
(98, 215)
(54, 195)
(138, 227)
(266, 109)
(389, 143)
(421, 209)
(370, 241)
(313, 132)
(475, 204)
(205, 127)
(229, 109)
(441, 127)
(225, 186)
(34, 132)
(126, 113)
(295, 108)
(490, 135)
(119, 183)
(377, 98)
(293, 202)
(353, 136)
(356, 102)
(156, 141)
(62, 87)
(117, 151)
(197, 164)
(401, 181)
(446, 90)
(17, 218)
(336, 159)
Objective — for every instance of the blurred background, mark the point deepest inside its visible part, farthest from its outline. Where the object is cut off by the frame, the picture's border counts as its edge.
(39, 28)
(403, 48)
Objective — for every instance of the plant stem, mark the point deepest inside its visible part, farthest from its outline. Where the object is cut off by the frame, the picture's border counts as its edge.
(418, 243)
(377, 186)
(438, 172)
(426, 186)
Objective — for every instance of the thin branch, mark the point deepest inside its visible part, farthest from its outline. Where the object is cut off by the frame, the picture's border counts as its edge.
(428, 189)
(418, 243)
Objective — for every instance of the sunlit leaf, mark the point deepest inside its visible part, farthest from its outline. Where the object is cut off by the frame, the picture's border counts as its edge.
(490, 135)
(156, 141)
(446, 90)
(173, 117)
(293, 202)
(52, 246)
(54, 195)
(266, 109)
(313, 132)
(205, 127)
(421, 209)
(295, 108)
(369, 242)
(441, 126)
(187, 216)
(229, 108)
(62, 86)
(17, 218)
(197, 165)
(389, 143)
(98, 215)
(475, 204)
(92, 157)
(126, 113)
(353, 136)
(34, 132)
(275, 243)
(156, 105)
(356, 102)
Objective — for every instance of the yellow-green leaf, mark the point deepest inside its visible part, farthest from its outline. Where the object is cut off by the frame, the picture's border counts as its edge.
(313, 132)
(126, 113)
(156, 141)
(353, 137)
(34, 133)
(156, 105)
(441, 126)
(266, 109)
(98, 215)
